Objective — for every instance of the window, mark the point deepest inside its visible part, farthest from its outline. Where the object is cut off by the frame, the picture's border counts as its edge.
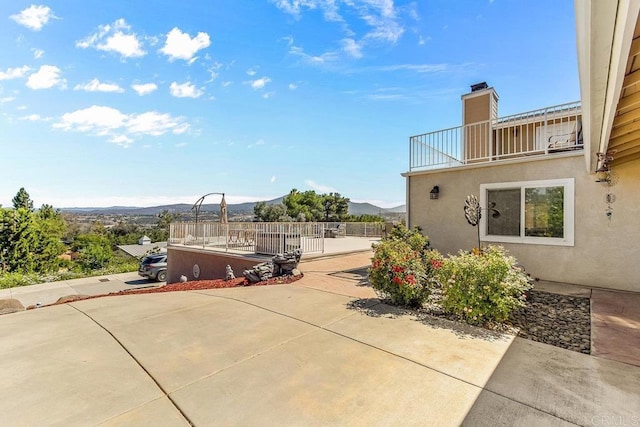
(536, 212)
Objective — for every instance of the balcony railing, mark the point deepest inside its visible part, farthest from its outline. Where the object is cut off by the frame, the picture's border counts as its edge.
(267, 238)
(539, 132)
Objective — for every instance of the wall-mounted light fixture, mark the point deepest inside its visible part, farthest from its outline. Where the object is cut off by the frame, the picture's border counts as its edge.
(434, 193)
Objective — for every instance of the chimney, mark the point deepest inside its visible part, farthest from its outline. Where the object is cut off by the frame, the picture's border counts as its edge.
(479, 105)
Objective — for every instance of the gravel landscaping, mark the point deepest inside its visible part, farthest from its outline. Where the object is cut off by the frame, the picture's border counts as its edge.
(559, 320)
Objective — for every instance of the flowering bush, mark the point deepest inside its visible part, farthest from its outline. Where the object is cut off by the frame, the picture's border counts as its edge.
(483, 286)
(398, 272)
(413, 237)
(433, 262)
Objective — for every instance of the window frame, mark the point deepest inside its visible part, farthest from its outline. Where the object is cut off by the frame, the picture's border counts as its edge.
(568, 209)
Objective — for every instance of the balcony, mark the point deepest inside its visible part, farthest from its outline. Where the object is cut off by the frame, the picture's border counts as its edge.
(543, 132)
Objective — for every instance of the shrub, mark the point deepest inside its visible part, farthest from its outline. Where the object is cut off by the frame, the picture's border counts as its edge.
(12, 280)
(482, 286)
(413, 237)
(398, 273)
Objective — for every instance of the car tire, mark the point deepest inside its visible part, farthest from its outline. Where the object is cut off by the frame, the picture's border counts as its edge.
(162, 276)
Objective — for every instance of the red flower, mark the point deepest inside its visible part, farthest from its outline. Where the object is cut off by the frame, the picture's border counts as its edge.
(411, 279)
(436, 263)
(397, 269)
(397, 281)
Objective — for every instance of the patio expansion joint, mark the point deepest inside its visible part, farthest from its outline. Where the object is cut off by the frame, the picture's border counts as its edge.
(325, 328)
(138, 363)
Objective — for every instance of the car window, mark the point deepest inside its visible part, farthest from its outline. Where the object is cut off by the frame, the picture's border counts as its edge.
(154, 259)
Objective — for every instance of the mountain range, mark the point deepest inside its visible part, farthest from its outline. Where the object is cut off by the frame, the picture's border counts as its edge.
(240, 208)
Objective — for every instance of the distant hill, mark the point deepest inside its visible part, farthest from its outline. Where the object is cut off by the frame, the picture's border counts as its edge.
(240, 208)
(397, 209)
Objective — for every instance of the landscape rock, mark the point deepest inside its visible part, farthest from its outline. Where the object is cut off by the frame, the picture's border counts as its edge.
(280, 265)
(229, 273)
(10, 305)
(70, 298)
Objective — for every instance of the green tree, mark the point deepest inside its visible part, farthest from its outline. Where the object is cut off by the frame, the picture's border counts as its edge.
(305, 206)
(364, 218)
(160, 233)
(49, 229)
(123, 233)
(270, 213)
(336, 207)
(95, 251)
(17, 240)
(22, 200)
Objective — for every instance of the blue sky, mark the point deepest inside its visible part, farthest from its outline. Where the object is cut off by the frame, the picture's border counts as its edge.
(141, 103)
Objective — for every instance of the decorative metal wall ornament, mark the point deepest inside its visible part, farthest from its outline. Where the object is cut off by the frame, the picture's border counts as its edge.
(473, 213)
(608, 178)
(472, 210)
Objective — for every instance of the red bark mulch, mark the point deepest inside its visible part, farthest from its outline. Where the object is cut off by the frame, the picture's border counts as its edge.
(195, 285)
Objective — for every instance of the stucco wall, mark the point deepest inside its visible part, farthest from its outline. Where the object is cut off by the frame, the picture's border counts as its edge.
(606, 252)
(212, 264)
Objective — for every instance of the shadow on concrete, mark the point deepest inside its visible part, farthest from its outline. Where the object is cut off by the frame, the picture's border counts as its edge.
(141, 282)
(361, 274)
(375, 307)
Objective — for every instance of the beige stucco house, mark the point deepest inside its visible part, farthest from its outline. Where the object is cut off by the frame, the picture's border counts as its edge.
(559, 187)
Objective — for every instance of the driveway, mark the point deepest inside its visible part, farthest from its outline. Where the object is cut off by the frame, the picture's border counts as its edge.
(299, 354)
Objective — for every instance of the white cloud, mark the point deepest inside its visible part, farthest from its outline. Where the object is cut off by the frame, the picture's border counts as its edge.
(181, 144)
(37, 53)
(325, 58)
(7, 99)
(21, 107)
(46, 77)
(383, 22)
(180, 45)
(320, 187)
(268, 95)
(14, 73)
(185, 90)
(145, 88)
(156, 124)
(294, 7)
(116, 37)
(95, 119)
(121, 140)
(293, 86)
(273, 179)
(121, 128)
(251, 72)
(34, 17)
(352, 48)
(418, 68)
(32, 118)
(96, 86)
(259, 83)
(257, 143)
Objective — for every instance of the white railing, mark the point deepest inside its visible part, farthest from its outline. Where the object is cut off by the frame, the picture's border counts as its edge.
(268, 238)
(548, 130)
(354, 229)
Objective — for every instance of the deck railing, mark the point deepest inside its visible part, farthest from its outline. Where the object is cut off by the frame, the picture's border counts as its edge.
(539, 132)
(267, 238)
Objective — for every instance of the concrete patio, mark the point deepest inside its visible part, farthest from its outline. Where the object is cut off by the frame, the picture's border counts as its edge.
(298, 354)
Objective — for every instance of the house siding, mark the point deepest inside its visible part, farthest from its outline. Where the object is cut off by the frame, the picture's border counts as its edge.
(606, 252)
